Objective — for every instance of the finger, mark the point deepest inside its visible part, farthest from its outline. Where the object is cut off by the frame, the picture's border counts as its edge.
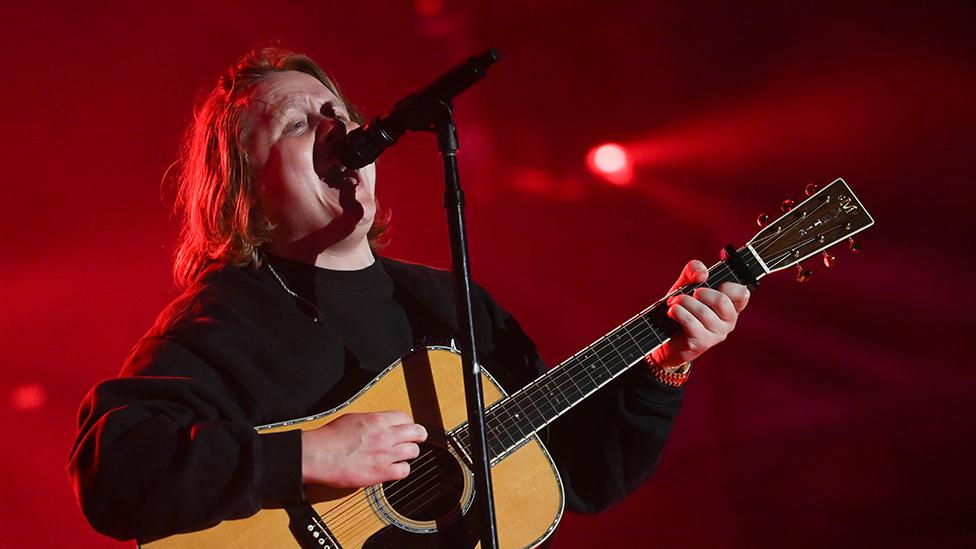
(397, 470)
(690, 325)
(719, 302)
(738, 293)
(694, 271)
(405, 451)
(409, 432)
(705, 315)
(395, 417)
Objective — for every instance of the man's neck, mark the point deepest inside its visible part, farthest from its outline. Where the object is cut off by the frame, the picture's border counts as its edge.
(336, 257)
(354, 260)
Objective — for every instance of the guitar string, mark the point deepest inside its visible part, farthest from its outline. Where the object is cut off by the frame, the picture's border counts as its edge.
(362, 529)
(789, 228)
(553, 378)
(605, 343)
(572, 379)
(624, 329)
(360, 519)
(425, 475)
(582, 369)
(415, 464)
(415, 480)
(419, 499)
(392, 489)
(366, 507)
(419, 469)
(419, 502)
(638, 337)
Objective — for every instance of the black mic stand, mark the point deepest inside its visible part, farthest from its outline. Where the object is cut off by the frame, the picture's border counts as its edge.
(447, 143)
(430, 110)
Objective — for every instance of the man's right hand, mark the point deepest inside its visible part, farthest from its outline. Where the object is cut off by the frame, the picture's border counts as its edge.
(358, 450)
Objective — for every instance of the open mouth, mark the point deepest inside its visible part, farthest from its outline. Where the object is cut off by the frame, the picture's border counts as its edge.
(339, 177)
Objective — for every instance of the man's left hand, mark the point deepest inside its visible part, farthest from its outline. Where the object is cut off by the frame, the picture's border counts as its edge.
(706, 317)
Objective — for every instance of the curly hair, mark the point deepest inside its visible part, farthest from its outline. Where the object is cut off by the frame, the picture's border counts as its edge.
(216, 198)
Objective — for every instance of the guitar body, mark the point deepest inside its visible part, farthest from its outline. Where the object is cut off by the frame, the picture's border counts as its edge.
(430, 508)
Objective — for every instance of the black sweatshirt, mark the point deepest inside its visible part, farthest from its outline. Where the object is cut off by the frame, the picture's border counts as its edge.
(170, 445)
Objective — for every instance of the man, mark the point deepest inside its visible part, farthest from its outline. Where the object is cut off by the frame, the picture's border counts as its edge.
(287, 311)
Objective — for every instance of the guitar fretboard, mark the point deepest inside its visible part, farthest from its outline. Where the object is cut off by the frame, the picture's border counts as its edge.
(512, 420)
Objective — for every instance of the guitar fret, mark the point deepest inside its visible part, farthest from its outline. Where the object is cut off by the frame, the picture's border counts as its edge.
(615, 348)
(519, 415)
(541, 401)
(556, 395)
(605, 368)
(656, 336)
(588, 369)
(626, 330)
(501, 438)
(528, 396)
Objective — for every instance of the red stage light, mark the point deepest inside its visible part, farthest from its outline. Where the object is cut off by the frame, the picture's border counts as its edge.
(612, 162)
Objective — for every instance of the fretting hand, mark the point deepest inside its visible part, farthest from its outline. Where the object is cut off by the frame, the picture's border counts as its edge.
(706, 317)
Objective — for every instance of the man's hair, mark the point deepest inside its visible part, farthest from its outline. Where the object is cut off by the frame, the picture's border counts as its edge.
(216, 197)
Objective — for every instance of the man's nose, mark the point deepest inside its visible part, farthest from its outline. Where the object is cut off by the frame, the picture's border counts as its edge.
(329, 131)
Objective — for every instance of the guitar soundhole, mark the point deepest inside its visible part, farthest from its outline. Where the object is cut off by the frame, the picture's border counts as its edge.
(433, 491)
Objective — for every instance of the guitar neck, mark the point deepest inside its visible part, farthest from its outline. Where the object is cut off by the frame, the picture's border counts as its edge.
(512, 420)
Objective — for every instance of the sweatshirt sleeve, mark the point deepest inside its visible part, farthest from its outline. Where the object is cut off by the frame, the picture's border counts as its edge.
(609, 444)
(606, 446)
(170, 447)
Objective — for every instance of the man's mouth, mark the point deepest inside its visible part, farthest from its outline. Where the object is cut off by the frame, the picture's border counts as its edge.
(339, 177)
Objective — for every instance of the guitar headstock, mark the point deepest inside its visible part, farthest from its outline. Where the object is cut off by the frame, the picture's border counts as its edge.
(826, 217)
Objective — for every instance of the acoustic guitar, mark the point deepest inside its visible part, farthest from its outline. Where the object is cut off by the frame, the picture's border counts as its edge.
(432, 507)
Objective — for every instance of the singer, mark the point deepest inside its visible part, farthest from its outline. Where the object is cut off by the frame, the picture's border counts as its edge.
(287, 309)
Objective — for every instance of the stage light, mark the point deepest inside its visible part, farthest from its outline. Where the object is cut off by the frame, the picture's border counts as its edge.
(612, 162)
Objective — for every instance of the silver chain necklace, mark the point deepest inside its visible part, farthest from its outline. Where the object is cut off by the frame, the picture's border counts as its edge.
(316, 314)
(280, 280)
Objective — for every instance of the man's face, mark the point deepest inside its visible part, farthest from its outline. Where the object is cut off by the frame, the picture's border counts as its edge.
(288, 113)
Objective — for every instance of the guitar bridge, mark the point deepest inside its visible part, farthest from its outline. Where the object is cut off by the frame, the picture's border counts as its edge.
(309, 529)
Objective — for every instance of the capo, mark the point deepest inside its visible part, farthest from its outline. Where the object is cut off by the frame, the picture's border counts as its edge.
(739, 267)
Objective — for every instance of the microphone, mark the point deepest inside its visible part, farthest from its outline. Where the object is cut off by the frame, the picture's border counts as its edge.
(416, 112)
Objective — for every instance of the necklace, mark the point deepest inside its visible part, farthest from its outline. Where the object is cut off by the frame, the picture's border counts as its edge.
(280, 280)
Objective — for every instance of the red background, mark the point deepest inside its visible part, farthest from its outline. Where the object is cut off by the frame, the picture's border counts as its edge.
(839, 413)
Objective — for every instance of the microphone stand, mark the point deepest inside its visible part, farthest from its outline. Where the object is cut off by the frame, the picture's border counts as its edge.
(430, 110)
(447, 144)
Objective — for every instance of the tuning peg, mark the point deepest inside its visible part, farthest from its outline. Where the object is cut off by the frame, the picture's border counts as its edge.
(829, 259)
(762, 219)
(854, 247)
(802, 275)
(811, 188)
(787, 205)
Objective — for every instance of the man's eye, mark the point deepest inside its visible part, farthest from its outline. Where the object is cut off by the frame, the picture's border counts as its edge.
(297, 125)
